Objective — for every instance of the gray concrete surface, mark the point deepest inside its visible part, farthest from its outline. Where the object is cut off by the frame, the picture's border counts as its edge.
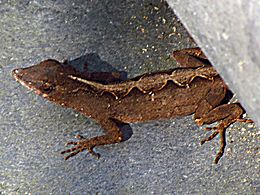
(162, 157)
(228, 32)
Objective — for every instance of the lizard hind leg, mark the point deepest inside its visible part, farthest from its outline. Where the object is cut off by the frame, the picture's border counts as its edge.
(221, 130)
(228, 114)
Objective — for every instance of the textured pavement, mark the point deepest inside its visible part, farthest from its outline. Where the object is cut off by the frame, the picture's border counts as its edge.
(161, 157)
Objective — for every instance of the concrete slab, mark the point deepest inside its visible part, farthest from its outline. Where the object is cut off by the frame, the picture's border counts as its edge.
(228, 33)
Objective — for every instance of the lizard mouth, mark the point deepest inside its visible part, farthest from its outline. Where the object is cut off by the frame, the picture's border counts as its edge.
(18, 74)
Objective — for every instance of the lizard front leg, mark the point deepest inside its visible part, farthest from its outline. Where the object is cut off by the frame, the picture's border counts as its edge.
(113, 135)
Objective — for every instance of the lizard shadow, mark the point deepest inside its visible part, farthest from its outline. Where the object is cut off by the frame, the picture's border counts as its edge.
(92, 63)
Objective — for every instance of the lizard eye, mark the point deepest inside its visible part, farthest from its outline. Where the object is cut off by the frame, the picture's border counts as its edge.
(47, 87)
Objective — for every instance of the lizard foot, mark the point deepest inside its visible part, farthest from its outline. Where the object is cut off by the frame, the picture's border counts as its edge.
(79, 146)
(221, 130)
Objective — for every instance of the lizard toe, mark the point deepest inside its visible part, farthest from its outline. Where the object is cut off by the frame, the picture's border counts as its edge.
(79, 146)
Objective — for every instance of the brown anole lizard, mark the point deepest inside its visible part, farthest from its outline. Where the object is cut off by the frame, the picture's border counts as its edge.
(195, 88)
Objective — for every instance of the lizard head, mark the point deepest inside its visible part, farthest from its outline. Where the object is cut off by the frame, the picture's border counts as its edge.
(48, 79)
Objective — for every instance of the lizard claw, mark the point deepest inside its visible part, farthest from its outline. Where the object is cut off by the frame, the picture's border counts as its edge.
(80, 137)
(212, 136)
(79, 146)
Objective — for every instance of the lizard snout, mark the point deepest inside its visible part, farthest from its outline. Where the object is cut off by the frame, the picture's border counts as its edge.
(17, 73)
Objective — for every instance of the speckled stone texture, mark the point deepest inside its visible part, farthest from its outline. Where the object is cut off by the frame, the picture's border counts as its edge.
(161, 157)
